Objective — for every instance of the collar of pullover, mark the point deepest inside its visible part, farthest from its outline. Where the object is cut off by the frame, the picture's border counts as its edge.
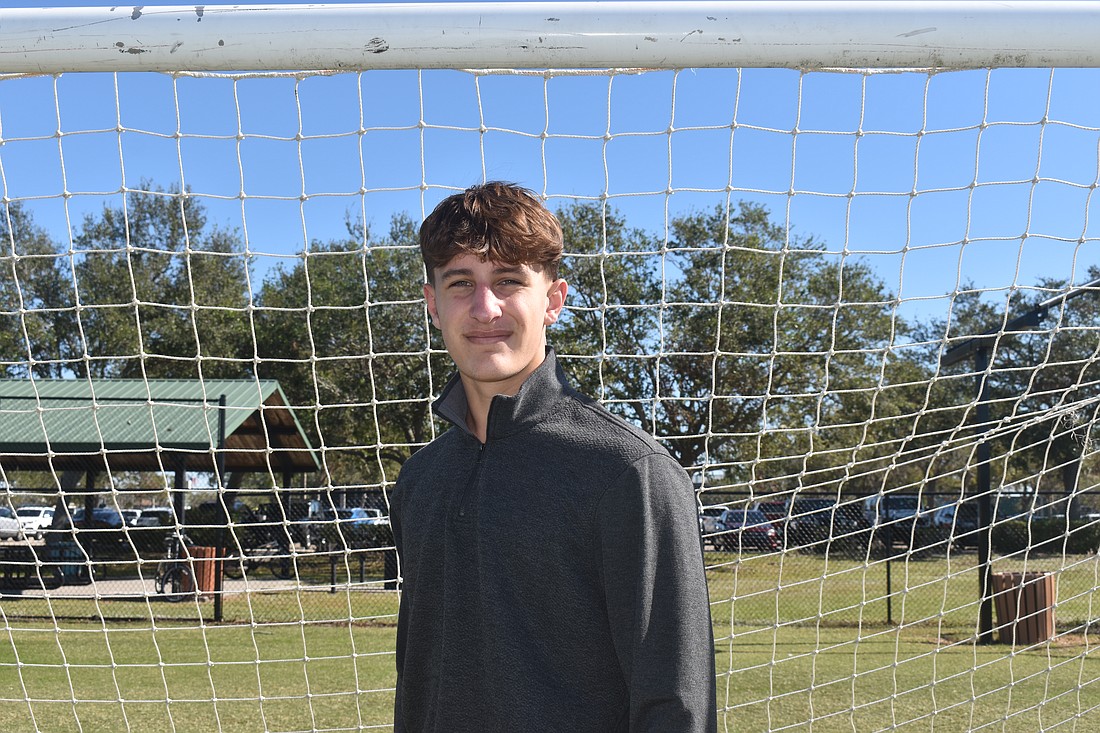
(538, 395)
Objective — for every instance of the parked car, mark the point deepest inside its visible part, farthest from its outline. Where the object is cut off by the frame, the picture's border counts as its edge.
(821, 524)
(958, 523)
(355, 527)
(289, 520)
(156, 517)
(10, 528)
(35, 520)
(153, 528)
(708, 518)
(353, 515)
(103, 517)
(740, 529)
(375, 516)
(100, 534)
(776, 512)
(902, 510)
(898, 519)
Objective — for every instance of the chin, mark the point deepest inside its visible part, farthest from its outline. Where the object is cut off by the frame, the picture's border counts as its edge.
(494, 374)
(496, 369)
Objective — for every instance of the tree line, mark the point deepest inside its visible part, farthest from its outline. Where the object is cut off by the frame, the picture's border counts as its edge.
(745, 348)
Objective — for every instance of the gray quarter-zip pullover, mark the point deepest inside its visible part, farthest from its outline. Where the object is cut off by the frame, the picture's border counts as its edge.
(552, 576)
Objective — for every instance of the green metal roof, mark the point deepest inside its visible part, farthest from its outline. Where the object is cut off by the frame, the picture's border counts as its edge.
(159, 425)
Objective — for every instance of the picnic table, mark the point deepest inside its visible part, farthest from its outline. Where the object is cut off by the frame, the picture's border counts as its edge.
(19, 568)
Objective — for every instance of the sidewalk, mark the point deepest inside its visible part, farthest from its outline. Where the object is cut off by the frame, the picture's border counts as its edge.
(140, 589)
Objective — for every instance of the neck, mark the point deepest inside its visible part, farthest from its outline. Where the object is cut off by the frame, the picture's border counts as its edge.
(479, 398)
(477, 410)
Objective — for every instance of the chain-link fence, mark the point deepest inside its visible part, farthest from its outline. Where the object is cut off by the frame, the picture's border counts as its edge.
(888, 560)
(256, 566)
(804, 559)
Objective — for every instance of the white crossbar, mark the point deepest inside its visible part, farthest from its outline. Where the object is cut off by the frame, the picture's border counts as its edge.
(750, 33)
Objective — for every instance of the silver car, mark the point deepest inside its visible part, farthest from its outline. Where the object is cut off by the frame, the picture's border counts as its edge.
(9, 524)
(708, 518)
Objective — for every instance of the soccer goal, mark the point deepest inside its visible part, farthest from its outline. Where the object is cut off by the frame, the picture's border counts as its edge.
(840, 257)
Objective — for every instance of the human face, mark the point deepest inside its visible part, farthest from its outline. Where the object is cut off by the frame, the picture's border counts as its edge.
(493, 318)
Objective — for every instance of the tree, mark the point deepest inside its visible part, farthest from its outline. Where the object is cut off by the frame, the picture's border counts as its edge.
(143, 288)
(345, 332)
(776, 352)
(609, 328)
(36, 306)
(161, 294)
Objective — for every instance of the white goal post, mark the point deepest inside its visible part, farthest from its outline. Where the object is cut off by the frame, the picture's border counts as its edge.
(840, 256)
(650, 34)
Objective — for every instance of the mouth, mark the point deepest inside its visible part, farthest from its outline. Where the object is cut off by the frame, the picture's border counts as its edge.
(487, 337)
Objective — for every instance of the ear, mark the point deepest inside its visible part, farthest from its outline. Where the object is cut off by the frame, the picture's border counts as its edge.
(555, 298)
(429, 298)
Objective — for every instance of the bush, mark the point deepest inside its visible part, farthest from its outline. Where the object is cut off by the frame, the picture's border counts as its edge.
(1046, 536)
(1084, 537)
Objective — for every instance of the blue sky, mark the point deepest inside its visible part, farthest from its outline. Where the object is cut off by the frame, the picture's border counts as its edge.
(969, 145)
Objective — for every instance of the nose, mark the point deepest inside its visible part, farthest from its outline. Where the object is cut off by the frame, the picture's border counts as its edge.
(485, 306)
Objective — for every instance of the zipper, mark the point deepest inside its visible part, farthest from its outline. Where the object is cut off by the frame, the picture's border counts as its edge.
(471, 485)
(475, 475)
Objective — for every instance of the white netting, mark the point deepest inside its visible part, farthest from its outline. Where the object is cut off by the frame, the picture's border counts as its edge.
(767, 268)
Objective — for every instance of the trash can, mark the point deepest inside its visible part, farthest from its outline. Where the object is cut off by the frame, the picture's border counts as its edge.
(204, 564)
(1025, 607)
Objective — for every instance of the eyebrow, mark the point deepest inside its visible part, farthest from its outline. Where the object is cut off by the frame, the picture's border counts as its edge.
(467, 272)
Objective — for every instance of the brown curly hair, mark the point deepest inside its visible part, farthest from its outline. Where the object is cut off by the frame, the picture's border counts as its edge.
(496, 221)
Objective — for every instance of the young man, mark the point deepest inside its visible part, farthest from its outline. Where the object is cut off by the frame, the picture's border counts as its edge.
(552, 570)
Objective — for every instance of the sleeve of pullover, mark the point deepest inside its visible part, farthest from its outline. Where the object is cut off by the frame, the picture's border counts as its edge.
(402, 620)
(656, 595)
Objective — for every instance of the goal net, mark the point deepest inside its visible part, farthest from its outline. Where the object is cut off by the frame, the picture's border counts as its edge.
(838, 257)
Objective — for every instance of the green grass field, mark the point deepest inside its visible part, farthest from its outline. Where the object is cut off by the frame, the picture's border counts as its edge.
(781, 666)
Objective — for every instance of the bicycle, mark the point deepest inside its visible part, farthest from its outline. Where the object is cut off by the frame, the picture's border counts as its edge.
(174, 580)
(274, 555)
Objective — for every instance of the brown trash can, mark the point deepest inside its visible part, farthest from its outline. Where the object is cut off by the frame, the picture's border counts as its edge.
(204, 564)
(1025, 607)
